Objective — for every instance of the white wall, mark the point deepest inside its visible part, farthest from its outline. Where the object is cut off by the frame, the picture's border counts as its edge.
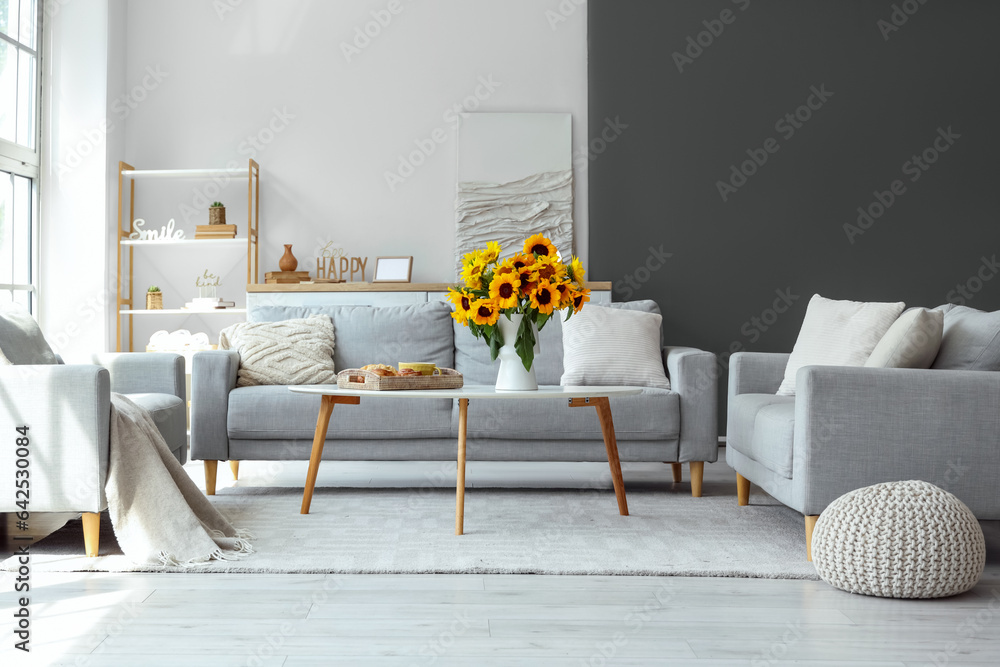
(75, 282)
(222, 76)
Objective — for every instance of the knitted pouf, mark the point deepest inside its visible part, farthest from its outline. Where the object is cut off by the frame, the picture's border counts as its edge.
(899, 540)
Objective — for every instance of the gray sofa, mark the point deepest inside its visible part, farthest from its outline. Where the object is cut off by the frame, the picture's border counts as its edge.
(67, 409)
(851, 427)
(272, 423)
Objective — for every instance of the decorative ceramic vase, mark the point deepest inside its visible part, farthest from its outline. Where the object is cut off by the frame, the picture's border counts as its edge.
(288, 261)
(513, 376)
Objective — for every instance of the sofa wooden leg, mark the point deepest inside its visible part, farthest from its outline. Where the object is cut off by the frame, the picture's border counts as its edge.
(211, 468)
(91, 532)
(742, 490)
(810, 525)
(697, 474)
(235, 467)
(677, 467)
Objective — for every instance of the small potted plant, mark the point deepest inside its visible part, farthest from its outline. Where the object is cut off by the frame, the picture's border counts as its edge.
(154, 298)
(217, 213)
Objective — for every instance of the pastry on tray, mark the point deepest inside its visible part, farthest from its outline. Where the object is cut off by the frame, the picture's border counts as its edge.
(380, 369)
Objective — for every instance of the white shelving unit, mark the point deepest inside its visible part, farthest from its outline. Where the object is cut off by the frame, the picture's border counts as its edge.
(127, 174)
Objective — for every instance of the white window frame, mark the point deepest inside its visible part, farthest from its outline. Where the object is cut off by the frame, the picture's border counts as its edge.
(23, 161)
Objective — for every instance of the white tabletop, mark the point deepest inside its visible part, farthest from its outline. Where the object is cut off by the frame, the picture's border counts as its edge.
(473, 391)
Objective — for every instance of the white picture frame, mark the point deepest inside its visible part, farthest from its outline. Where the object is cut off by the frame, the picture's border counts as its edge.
(393, 269)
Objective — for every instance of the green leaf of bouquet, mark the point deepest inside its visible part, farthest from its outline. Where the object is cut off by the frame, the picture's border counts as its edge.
(541, 320)
(524, 344)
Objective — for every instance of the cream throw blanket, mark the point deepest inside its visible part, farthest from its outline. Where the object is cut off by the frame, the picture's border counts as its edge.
(159, 515)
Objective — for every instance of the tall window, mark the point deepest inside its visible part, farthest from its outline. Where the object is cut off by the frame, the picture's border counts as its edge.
(20, 38)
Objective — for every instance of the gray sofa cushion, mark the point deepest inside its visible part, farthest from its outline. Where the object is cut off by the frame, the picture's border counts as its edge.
(762, 427)
(472, 356)
(376, 335)
(652, 415)
(21, 341)
(169, 415)
(275, 413)
(971, 340)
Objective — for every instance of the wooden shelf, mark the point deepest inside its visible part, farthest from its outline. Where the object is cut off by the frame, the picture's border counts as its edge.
(184, 173)
(378, 287)
(242, 243)
(182, 311)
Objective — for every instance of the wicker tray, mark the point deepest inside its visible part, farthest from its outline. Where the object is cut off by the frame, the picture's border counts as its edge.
(355, 378)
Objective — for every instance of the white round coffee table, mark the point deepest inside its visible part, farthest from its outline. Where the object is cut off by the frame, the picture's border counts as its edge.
(574, 397)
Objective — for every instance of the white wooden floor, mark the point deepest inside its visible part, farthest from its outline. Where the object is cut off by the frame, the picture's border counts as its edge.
(147, 620)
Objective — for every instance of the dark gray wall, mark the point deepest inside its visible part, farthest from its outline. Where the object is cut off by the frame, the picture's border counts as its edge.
(656, 183)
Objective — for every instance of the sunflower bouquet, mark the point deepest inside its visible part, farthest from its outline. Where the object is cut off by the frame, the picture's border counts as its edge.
(533, 283)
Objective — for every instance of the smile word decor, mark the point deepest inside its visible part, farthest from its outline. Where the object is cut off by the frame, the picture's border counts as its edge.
(164, 233)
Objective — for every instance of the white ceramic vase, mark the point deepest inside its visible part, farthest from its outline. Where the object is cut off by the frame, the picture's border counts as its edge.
(513, 376)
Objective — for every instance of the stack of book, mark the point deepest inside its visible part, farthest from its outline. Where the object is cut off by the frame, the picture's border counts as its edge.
(215, 232)
(208, 303)
(285, 277)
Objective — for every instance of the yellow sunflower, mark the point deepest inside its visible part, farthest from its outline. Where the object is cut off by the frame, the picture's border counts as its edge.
(565, 293)
(528, 278)
(491, 253)
(580, 297)
(484, 311)
(576, 271)
(472, 274)
(547, 268)
(522, 259)
(545, 297)
(539, 245)
(504, 290)
(463, 306)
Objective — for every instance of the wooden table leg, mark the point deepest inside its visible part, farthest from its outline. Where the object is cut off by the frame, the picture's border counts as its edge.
(322, 422)
(611, 444)
(463, 417)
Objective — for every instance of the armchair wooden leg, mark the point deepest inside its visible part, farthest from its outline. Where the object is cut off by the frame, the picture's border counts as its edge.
(211, 468)
(742, 490)
(91, 532)
(677, 471)
(697, 474)
(235, 467)
(810, 525)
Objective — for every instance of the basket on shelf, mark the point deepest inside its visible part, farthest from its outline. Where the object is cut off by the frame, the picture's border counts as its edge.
(154, 300)
(217, 215)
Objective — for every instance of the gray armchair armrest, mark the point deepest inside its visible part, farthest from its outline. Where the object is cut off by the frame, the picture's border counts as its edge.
(213, 376)
(693, 375)
(144, 372)
(756, 372)
(860, 426)
(67, 410)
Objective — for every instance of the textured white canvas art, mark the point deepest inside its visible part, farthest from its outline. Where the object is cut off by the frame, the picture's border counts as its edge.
(515, 179)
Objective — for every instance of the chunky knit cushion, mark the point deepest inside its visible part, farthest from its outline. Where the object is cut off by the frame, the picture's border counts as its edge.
(899, 540)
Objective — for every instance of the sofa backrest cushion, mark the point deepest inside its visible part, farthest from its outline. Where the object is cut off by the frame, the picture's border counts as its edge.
(971, 340)
(472, 356)
(380, 335)
(21, 341)
(912, 341)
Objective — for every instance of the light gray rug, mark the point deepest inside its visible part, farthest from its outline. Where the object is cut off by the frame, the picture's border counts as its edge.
(550, 531)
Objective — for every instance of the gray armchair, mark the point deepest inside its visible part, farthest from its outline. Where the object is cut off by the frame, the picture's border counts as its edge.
(66, 409)
(850, 427)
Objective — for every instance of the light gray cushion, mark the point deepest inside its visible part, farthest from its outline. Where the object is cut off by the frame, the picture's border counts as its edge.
(295, 351)
(613, 347)
(912, 341)
(384, 335)
(971, 340)
(762, 427)
(652, 415)
(472, 356)
(21, 341)
(170, 417)
(270, 412)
